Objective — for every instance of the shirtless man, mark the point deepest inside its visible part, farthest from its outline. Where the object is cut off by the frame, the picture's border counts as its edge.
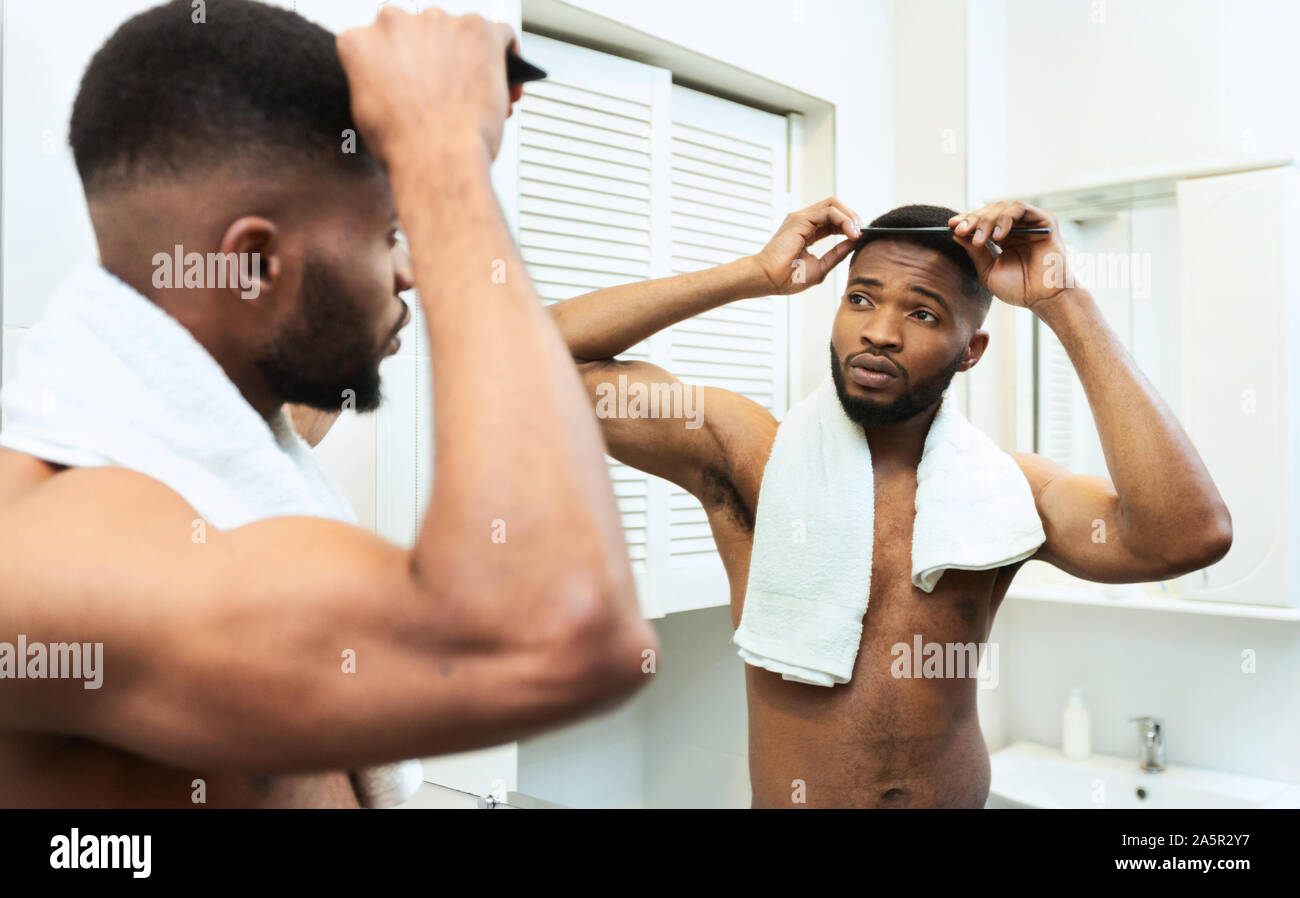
(222, 660)
(913, 308)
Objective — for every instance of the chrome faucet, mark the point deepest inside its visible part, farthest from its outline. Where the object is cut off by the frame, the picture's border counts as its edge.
(1151, 743)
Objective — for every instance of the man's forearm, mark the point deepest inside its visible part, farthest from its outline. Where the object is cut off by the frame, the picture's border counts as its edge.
(519, 463)
(602, 324)
(1159, 476)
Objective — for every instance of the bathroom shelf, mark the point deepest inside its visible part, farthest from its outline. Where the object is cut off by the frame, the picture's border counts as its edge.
(1120, 188)
(1074, 595)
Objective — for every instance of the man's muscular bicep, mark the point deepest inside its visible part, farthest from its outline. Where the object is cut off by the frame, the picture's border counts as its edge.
(1083, 521)
(198, 626)
(655, 423)
(287, 644)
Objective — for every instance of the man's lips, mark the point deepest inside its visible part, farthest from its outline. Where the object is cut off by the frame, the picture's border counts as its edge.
(872, 372)
(406, 319)
(875, 363)
(395, 342)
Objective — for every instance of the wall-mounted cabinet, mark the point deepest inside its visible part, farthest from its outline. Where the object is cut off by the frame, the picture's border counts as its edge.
(1240, 332)
(1199, 275)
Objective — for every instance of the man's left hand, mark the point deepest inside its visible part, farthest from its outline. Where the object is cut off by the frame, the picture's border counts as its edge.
(1031, 267)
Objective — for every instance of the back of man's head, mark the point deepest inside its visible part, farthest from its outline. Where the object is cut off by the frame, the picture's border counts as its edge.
(179, 91)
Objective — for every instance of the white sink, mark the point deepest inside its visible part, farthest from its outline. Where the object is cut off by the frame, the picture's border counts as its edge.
(1030, 775)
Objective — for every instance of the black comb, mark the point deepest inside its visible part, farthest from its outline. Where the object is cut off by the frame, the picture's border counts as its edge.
(519, 70)
(937, 228)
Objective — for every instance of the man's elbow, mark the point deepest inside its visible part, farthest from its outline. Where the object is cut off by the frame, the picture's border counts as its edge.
(1201, 546)
(1218, 539)
(608, 650)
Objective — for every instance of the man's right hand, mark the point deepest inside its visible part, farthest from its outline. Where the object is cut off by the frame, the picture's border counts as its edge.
(786, 262)
(428, 78)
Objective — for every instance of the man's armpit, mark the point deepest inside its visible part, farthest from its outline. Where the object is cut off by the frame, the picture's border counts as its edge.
(718, 490)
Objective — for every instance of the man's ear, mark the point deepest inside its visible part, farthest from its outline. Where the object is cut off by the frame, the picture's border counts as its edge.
(258, 266)
(979, 341)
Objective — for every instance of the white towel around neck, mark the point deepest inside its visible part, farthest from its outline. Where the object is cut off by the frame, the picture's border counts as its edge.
(106, 377)
(810, 573)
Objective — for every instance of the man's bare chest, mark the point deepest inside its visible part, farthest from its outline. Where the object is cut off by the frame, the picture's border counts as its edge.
(960, 606)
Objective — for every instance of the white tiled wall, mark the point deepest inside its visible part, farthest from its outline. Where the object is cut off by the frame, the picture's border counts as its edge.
(681, 742)
(696, 726)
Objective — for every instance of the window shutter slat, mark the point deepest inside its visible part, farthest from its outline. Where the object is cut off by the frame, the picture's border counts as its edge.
(727, 196)
(587, 186)
(624, 177)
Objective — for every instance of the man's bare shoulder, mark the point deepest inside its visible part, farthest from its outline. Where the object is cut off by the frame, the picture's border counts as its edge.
(32, 486)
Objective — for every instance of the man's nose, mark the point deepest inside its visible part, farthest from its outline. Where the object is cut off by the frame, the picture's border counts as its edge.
(881, 329)
(403, 273)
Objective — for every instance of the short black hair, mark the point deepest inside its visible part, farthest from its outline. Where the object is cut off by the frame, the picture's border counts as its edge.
(920, 216)
(168, 96)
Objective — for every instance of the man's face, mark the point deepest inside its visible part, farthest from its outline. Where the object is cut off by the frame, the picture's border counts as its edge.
(903, 311)
(347, 315)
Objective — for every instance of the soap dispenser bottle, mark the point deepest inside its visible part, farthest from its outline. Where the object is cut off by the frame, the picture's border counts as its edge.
(1076, 728)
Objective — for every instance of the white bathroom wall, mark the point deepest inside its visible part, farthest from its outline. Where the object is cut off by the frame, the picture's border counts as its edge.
(682, 742)
(1139, 86)
(1115, 89)
(929, 121)
(45, 227)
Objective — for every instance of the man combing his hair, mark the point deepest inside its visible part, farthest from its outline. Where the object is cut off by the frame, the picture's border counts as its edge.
(885, 519)
(257, 646)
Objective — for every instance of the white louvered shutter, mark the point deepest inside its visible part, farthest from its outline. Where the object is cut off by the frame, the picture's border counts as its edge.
(624, 177)
(1067, 432)
(728, 195)
(589, 216)
(1057, 401)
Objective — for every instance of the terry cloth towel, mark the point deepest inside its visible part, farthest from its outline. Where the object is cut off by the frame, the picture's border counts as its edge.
(810, 574)
(106, 377)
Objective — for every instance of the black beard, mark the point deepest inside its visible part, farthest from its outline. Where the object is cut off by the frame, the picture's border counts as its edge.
(914, 400)
(317, 360)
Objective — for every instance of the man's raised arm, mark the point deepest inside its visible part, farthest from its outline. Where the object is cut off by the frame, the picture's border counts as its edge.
(1160, 514)
(299, 643)
(598, 326)
(602, 324)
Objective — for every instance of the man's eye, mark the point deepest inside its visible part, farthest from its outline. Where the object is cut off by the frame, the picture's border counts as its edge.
(925, 312)
(853, 296)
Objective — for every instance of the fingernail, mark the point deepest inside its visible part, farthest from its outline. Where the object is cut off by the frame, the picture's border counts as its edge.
(979, 233)
(997, 232)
